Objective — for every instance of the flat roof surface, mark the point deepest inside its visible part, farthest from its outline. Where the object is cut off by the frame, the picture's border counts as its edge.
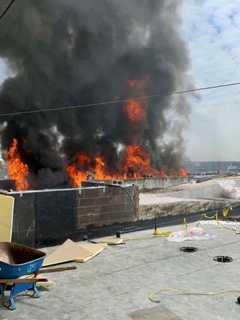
(147, 199)
(119, 281)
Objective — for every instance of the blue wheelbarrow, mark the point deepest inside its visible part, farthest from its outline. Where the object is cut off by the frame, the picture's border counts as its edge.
(16, 263)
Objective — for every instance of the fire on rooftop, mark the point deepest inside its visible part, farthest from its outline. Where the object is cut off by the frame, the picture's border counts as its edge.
(97, 61)
(135, 164)
(133, 161)
(100, 67)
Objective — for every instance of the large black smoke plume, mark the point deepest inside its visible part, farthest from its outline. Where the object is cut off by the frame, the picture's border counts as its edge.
(72, 52)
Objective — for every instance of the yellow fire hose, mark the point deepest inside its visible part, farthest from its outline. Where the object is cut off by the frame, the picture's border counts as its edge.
(154, 297)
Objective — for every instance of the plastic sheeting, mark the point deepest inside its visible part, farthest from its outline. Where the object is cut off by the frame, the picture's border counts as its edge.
(231, 225)
(231, 189)
(195, 233)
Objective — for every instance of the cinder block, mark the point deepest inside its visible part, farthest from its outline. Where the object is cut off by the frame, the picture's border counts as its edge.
(52, 216)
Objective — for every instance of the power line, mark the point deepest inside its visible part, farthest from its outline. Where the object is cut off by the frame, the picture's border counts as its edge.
(116, 101)
(7, 9)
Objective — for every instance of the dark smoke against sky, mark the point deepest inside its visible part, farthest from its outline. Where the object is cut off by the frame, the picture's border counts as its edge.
(70, 52)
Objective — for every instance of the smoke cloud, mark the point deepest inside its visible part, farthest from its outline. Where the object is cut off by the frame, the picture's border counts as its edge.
(71, 52)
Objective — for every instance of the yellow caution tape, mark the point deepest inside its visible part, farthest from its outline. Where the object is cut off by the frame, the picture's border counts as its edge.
(215, 216)
(226, 212)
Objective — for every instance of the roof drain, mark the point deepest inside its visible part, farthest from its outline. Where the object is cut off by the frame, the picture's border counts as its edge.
(223, 259)
(189, 249)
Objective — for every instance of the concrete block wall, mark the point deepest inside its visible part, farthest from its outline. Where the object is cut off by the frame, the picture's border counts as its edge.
(106, 205)
(51, 216)
(152, 183)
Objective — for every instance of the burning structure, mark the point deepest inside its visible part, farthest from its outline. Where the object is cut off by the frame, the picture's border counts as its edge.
(73, 53)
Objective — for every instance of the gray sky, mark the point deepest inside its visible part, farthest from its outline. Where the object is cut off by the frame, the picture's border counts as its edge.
(212, 34)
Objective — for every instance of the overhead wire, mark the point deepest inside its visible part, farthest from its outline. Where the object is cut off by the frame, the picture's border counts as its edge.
(7, 9)
(115, 101)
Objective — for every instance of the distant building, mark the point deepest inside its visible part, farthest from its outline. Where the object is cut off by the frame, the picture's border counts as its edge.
(213, 167)
(233, 169)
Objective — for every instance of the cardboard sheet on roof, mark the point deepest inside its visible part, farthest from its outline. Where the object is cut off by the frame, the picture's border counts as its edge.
(73, 251)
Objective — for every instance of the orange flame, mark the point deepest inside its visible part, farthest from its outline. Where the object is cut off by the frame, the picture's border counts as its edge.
(101, 170)
(17, 170)
(76, 176)
(84, 168)
(77, 171)
(182, 172)
(136, 163)
(135, 111)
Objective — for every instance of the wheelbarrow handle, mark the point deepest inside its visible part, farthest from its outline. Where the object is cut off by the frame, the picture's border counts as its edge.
(56, 269)
(28, 280)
